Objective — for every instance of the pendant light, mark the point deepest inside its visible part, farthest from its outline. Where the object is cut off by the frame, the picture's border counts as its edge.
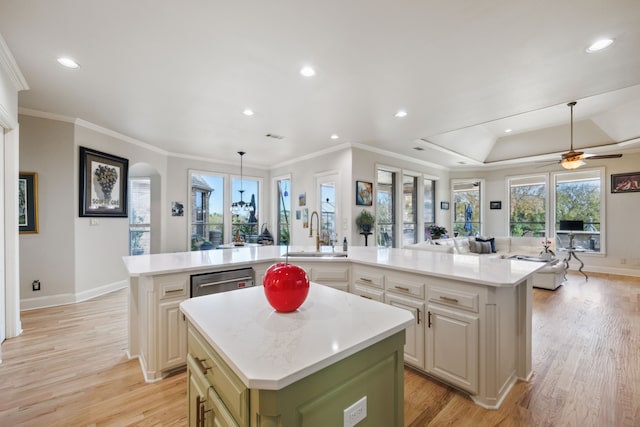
(241, 206)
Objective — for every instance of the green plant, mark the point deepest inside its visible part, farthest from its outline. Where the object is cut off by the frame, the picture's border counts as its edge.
(365, 220)
(436, 231)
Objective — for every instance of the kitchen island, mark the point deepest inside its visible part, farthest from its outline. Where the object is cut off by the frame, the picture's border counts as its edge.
(472, 315)
(299, 368)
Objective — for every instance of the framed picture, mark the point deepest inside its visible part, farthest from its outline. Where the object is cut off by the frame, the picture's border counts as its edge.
(495, 205)
(103, 184)
(305, 218)
(302, 199)
(28, 202)
(625, 182)
(364, 191)
(444, 206)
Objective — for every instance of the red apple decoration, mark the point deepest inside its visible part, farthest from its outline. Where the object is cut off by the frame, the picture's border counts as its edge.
(286, 286)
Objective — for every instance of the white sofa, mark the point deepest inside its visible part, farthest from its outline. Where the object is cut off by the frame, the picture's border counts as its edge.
(549, 277)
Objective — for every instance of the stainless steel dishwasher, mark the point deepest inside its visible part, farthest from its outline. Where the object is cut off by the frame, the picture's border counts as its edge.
(221, 281)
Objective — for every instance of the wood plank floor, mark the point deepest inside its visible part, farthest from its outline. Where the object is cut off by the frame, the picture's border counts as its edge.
(69, 368)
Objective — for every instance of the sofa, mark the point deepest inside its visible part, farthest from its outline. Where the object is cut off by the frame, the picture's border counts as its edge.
(549, 277)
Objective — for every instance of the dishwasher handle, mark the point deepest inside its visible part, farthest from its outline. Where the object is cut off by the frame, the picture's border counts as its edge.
(223, 282)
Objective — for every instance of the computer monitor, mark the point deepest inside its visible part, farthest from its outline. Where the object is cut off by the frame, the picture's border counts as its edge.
(571, 225)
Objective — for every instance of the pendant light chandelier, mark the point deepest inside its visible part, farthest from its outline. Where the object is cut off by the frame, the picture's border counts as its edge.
(241, 206)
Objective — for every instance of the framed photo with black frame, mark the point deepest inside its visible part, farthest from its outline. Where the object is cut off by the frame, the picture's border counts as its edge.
(625, 182)
(495, 205)
(103, 184)
(28, 203)
(444, 206)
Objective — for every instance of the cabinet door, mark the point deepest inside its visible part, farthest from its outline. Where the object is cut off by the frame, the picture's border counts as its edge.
(172, 336)
(197, 396)
(452, 347)
(221, 417)
(415, 334)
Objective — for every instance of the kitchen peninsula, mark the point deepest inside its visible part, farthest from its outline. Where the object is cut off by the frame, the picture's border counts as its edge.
(472, 315)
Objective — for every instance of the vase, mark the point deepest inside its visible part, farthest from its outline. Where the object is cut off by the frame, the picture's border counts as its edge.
(546, 255)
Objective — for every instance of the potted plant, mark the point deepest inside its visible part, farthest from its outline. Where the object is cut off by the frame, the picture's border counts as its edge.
(365, 221)
(436, 231)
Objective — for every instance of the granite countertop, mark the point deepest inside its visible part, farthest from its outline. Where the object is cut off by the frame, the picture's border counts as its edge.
(270, 350)
(488, 271)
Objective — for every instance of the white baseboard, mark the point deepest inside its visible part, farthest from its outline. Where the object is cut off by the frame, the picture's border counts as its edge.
(68, 298)
(609, 270)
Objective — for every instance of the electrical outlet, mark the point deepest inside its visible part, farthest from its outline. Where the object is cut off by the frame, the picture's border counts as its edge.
(35, 285)
(355, 413)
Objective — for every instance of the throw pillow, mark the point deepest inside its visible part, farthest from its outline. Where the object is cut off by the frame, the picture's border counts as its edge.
(478, 247)
(491, 240)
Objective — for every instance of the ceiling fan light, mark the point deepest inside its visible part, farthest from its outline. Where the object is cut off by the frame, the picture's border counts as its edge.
(599, 45)
(572, 163)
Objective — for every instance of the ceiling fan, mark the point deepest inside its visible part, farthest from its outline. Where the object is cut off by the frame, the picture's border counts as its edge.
(574, 159)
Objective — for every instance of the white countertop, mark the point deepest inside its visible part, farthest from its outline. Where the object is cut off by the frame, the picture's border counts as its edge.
(270, 350)
(484, 270)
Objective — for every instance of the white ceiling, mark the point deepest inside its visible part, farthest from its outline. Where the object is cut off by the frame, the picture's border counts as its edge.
(178, 74)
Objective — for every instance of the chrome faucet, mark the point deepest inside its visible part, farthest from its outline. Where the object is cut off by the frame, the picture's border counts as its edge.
(317, 229)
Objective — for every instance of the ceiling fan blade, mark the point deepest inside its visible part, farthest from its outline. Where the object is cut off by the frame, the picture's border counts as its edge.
(602, 156)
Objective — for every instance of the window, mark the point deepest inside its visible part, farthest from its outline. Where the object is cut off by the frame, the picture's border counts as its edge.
(328, 228)
(578, 196)
(466, 207)
(139, 216)
(429, 202)
(284, 210)
(409, 209)
(207, 214)
(385, 207)
(244, 223)
(528, 206)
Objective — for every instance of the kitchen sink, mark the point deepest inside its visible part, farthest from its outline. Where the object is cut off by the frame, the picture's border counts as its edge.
(303, 254)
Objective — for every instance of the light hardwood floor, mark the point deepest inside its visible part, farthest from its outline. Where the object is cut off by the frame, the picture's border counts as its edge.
(69, 368)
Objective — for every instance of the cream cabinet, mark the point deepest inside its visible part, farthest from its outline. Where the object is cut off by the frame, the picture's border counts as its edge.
(452, 347)
(414, 344)
(334, 274)
(157, 328)
(172, 335)
(406, 291)
(368, 283)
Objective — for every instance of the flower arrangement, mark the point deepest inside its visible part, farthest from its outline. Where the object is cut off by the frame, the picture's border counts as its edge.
(436, 231)
(546, 244)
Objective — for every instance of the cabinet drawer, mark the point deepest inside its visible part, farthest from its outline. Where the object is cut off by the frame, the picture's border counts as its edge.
(227, 385)
(405, 285)
(452, 298)
(173, 286)
(321, 275)
(368, 277)
(369, 292)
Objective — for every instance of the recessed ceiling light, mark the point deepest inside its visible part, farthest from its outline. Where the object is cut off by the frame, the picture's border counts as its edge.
(68, 62)
(334, 136)
(401, 113)
(307, 71)
(248, 112)
(507, 130)
(599, 45)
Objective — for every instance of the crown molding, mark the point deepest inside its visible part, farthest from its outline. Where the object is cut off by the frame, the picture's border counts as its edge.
(9, 65)
(45, 115)
(96, 128)
(6, 121)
